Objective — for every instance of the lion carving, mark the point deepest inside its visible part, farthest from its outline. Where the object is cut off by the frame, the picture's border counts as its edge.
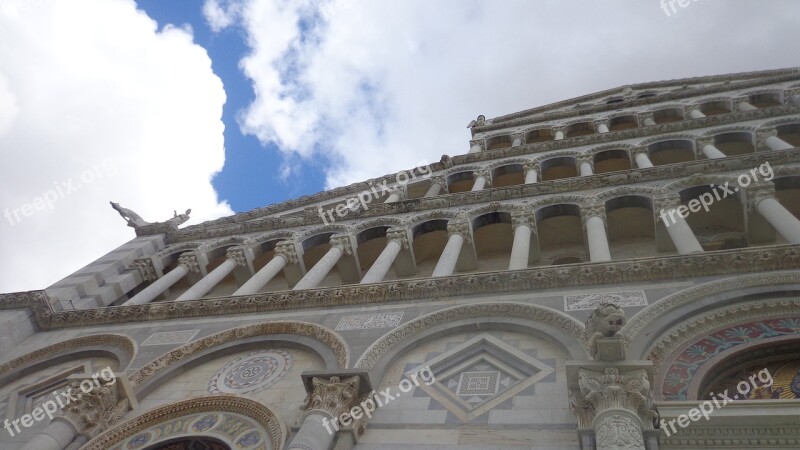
(605, 321)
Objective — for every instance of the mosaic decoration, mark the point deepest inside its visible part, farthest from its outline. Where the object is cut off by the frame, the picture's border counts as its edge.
(252, 372)
(170, 337)
(785, 381)
(480, 374)
(592, 301)
(369, 321)
(139, 441)
(694, 356)
(205, 423)
(248, 440)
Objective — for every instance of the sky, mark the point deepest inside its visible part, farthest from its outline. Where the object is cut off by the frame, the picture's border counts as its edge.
(223, 106)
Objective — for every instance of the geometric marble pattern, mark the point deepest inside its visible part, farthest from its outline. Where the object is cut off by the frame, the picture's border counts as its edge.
(369, 321)
(252, 372)
(479, 374)
(592, 301)
(170, 337)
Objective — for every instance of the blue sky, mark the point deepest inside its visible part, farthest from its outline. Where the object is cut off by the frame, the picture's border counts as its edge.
(249, 179)
(223, 106)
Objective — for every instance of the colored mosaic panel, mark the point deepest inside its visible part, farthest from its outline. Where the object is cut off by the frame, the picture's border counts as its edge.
(592, 301)
(369, 321)
(252, 372)
(684, 367)
(170, 337)
(228, 428)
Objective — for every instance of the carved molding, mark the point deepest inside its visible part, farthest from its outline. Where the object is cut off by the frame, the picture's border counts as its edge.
(763, 436)
(275, 428)
(545, 315)
(322, 334)
(738, 261)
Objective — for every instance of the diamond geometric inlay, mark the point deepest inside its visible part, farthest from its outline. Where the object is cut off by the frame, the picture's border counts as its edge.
(474, 377)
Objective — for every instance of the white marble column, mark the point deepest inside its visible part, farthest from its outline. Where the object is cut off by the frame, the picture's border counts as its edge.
(559, 134)
(642, 160)
(696, 114)
(531, 173)
(602, 127)
(476, 147)
(776, 214)
(678, 229)
(339, 246)
(712, 152)
(396, 240)
(523, 224)
(396, 195)
(585, 165)
(264, 276)
(148, 294)
(594, 221)
(235, 257)
(518, 140)
(436, 187)
(459, 232)
(745, 105)
(648, 121)
(57, 436)
(775, 143)
(481, 180)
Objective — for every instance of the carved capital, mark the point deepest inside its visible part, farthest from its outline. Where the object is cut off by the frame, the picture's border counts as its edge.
(703, 141)
(191, 261)
(239, 255)
(398, 234)
(146, 268)
(527, 218)
(738, 101)
(399, 192)
(527, 167)
(612, 389)
(334, 395)
(461, 228)
(343, 242)
(644, 116)
(585, 159)
(762, 135)
(485, 174)
(288, 250)
(598, 210)
(518, 136)
(479, 142)
(666, 203)
(757, 192)
(97, 404)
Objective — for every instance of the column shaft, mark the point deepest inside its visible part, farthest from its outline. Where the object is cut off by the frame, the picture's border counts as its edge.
(696, 114)
(779, 217)
(598, 240)
(679, 231)
(746, 106)
(159, 286)
(393, 197)
(586, 169)
(643, 161)
(202, 287)
(434, 190)
(479, 184)
(320, 269)
(263, 276)
(521, 248)
(57, 436)
(776, 143)
(381, 265)
(447, 261)
(517, 142)
(475, 149)
(531, 176)
(313, 433)
(602, 128)
(648, 122)
(712, 152)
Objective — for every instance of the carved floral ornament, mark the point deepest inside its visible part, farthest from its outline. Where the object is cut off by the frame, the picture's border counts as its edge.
(260, 414)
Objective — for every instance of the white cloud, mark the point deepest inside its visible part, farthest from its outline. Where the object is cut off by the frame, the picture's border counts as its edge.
(106, 108)
(377, 87)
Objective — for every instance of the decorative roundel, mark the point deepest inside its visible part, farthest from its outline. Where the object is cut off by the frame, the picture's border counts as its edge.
(251, 372)
(139, 440)
(205, 423)
(248, 440)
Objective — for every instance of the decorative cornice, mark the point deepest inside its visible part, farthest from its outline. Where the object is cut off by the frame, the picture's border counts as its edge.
(119, 341)
(748, 260)
(597, 181)
(762, 436)
(538, 115)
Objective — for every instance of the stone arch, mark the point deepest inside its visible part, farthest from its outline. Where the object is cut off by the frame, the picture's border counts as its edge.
(508, 162)
(697, 179)
(282, 235)
(379, 222)
(480, 210)
(660, 106)
(606, 147)
(465, 168)
(263, 422)
(446, 214)
(779, 122)
(557, 154)
(561, 199)
(730, 129)
(324, 342)
(117, 346)
(178, 248)
(330, 228)
(621, 191)
(230, 240)
(565, 331)
(668, 137)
